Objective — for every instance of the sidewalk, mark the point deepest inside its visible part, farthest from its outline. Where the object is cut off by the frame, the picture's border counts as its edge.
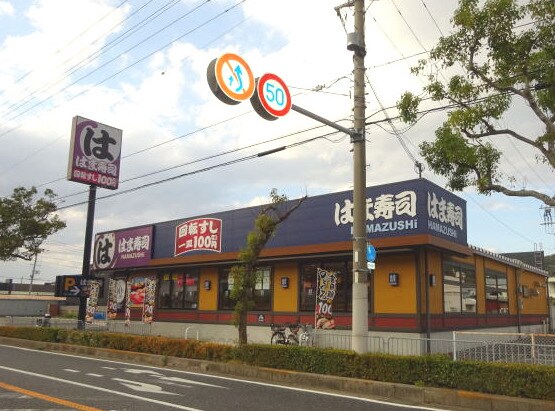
(423, 396)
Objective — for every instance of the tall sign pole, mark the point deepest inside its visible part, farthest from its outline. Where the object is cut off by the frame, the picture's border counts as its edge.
(85, 271)
(94, 159)
(360, 267)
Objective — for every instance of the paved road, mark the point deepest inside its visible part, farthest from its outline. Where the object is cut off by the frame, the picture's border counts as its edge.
(39, 380)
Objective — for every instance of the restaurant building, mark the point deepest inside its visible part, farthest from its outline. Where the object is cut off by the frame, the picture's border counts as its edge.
(425, 281)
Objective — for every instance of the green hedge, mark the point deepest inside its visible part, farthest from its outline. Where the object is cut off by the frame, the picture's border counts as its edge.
(516, 380)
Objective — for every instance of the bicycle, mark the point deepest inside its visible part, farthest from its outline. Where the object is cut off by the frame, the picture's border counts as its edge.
(279, 335)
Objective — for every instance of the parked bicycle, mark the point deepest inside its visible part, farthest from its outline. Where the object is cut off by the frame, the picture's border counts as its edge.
(293, 337)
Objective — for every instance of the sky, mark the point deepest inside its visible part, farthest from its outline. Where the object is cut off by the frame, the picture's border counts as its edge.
(140, 66)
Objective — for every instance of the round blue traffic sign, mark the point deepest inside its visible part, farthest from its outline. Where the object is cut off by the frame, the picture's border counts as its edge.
(370, 253)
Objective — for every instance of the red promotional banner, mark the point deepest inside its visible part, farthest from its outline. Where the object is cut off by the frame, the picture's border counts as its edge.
(325, 293)
(200, 234)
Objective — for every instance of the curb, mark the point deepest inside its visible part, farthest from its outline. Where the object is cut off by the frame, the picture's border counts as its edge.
(409, 394)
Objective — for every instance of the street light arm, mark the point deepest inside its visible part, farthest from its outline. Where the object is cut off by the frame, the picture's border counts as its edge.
(352, 133)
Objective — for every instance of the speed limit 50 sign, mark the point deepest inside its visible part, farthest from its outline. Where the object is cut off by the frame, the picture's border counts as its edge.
(271, 98)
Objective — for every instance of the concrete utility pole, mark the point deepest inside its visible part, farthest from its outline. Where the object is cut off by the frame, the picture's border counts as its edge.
(360, 269)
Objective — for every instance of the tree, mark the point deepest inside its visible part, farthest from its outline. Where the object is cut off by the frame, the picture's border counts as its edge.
(506, 50)
(25, 222)
(245, 275)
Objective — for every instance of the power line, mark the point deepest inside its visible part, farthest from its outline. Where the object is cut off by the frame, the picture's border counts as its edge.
(211, 157)
(69, 43)
(76, 67)
(217, 16)
(202, 170)
(49, 144)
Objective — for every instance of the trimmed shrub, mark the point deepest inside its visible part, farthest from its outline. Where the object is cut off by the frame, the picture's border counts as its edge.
(517, 380)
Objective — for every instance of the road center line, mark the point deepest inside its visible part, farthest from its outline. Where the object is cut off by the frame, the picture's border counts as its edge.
(48, 398)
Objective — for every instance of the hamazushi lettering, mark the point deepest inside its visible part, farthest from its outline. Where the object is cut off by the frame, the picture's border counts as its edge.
(392, 226)
(442, 228)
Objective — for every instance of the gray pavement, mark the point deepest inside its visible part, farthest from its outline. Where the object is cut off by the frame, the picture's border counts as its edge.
(424, 396)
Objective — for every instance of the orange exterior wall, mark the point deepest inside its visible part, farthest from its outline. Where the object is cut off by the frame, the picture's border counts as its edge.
(285, 299)
(436, 292)
(208, 299)
(535, 302)
(399, 299)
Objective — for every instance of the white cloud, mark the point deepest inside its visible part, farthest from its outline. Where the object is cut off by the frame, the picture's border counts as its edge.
(157, 94)
(6, 8)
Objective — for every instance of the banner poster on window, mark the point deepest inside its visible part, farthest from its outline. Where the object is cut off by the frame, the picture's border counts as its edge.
(116, 298)
(149, 298)
(93, 287)
(128, 303)
(138, 289)
(326, 285)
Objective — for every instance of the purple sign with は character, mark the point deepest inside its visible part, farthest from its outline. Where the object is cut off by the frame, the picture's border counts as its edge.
(94, 154)
(126, 248)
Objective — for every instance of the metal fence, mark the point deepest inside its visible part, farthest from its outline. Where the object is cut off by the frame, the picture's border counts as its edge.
(506, 347)
(488, 347)
(464, 346)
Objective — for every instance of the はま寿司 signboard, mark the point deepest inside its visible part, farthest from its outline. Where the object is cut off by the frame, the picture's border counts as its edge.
(124, 248)
(94, 155)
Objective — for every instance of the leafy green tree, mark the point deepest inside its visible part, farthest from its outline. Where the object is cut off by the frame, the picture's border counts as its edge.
(505, 50)
(245, 275)
(25, 222)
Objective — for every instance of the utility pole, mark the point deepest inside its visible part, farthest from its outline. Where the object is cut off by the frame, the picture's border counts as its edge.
(360, 268)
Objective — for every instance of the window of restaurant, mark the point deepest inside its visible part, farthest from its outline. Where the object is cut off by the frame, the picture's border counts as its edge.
(179, 290)
(459, 287)
(342, 301)
(262, 291)
(497, 301)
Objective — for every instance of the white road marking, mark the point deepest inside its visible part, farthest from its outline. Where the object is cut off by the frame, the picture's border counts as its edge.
(393, 404)
(185, 381)
(143, 386)
(12, 395)
(92, 387)
(70, 370)
(137, 371)
(90, 374)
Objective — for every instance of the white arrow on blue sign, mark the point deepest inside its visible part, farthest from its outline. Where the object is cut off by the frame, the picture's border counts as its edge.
(370, 253)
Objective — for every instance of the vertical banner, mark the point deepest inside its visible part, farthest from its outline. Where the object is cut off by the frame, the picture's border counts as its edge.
(111, 307)
(326, 285)
(93, 287)
(128, 303)
(116, 298)
(150, 297)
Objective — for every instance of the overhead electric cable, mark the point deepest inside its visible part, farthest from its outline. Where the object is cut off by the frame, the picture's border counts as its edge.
(202, 170)
(69, 43)
(211, 157)
(122, 70)
(117, 58)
